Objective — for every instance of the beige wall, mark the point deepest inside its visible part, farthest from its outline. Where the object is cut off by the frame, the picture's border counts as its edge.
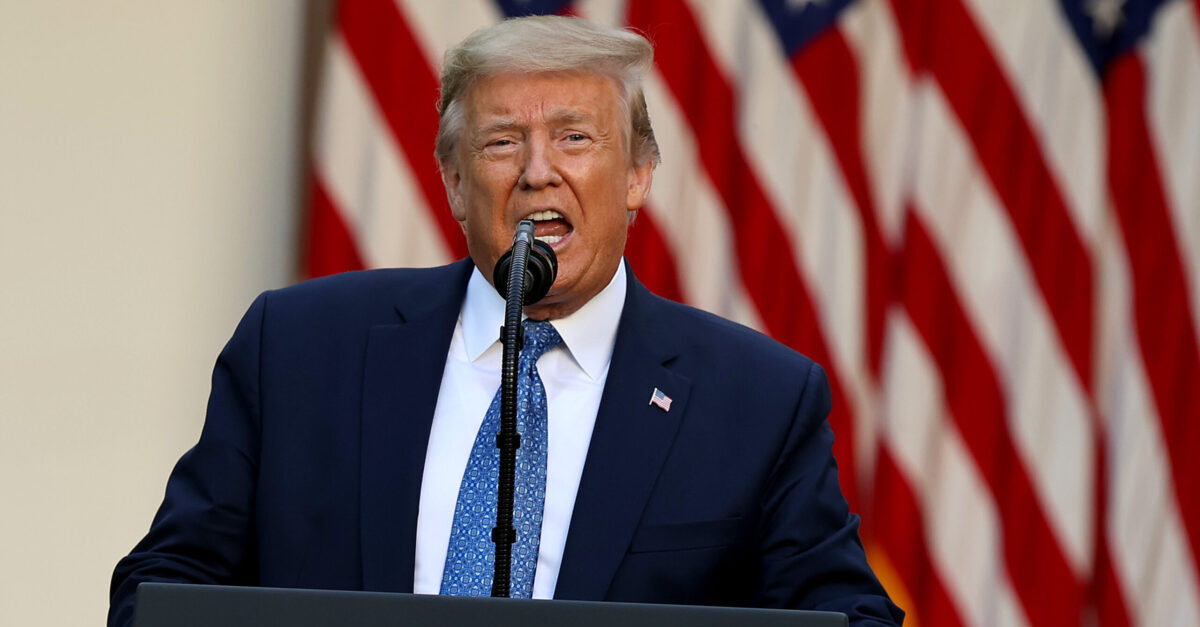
(148, 190)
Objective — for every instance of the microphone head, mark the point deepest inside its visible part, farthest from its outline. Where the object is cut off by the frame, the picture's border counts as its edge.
(541, 268)
(540, 271)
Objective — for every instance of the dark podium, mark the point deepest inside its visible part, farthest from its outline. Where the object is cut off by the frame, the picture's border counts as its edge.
(182, 605)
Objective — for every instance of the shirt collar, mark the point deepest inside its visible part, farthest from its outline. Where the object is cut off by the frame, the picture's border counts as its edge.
(588, 334)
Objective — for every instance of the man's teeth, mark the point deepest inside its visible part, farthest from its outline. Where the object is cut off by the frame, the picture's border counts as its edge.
(541, 216)
(548, 214)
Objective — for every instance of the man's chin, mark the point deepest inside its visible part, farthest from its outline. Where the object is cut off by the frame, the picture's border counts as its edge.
(559, 302)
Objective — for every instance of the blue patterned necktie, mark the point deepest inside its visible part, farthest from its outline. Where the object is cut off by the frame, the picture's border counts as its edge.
(471, 555)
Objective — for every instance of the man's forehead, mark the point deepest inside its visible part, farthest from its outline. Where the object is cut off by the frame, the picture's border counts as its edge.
(551, 95)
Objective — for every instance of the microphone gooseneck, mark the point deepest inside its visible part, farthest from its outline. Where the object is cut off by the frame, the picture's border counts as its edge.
(523, 276)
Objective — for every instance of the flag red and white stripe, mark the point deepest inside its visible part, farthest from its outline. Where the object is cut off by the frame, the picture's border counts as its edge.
(981, 216)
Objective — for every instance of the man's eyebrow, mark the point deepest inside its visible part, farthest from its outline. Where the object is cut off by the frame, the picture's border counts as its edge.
(569, 116)
(507, 124)
(502, 124)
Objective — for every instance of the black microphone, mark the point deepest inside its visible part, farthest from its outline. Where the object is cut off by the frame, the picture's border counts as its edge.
(540, 269)
(523, 275)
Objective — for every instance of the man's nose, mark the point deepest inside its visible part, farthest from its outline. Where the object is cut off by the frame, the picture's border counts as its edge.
(541, 167)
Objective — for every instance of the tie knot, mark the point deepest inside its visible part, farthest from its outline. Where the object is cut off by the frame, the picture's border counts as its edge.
(540, 336)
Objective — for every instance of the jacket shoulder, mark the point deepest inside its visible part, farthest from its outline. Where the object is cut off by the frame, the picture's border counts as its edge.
(705, 333)
(382, 284)
(369, 295)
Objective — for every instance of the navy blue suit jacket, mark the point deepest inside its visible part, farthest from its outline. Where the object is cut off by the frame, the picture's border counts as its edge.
(308, 469)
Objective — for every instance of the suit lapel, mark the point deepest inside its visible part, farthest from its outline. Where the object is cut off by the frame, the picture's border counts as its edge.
(629, 444)
(402, 376)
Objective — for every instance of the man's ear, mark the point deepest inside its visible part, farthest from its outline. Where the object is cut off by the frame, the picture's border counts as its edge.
(640, 177)
(452, 181)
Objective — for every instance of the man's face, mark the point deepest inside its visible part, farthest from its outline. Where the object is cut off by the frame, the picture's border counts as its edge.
(551, 148)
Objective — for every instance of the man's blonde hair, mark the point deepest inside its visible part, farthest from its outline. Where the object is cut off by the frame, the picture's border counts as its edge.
(549, 43)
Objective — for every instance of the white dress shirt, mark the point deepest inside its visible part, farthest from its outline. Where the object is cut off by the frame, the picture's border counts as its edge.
(573, 374)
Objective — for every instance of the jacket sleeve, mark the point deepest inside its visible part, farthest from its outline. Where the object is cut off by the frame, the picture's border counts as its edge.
(203, 531)
(810, 553)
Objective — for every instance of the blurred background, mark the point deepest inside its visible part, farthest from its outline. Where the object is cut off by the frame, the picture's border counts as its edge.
(150, 164)
(982, 216)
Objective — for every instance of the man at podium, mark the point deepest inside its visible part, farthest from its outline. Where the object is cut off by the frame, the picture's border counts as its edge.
(667, 455)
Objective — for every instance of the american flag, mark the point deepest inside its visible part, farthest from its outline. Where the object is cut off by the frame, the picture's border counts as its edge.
(660, 400)
(981, 216)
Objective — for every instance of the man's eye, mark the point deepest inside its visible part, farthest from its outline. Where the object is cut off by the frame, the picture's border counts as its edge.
(501, 142)
(576, 137)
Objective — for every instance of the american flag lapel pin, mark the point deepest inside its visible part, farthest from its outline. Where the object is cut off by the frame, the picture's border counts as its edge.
(662, 401)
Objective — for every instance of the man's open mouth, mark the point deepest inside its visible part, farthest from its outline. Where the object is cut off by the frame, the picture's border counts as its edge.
(551, 227)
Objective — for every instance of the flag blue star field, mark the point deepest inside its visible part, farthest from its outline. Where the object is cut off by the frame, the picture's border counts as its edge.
(981, 216)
